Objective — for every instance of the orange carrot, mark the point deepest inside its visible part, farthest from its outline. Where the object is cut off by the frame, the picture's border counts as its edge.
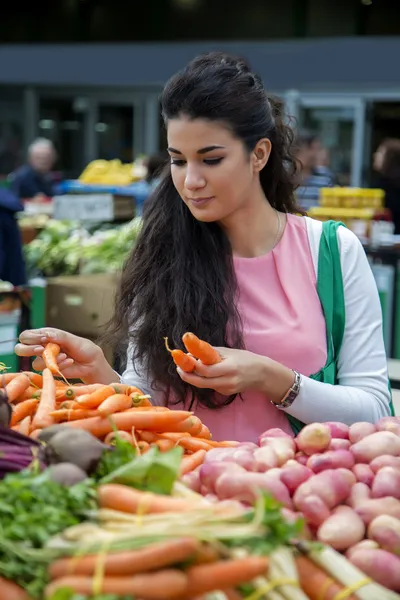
(35, 378)
(224, 573)
(143, 446)
(149, 408)
(138, 401)
(200, 349)
(193, 444)
(226, 444)
(30, 392)
(65, 393)
(121, 388)
(34, 434)
(184, 361)
(75, 414)
(149, 558)
(82, 389)
(174, 436)
(165, 584)
(125, 499)
(190, 425)
(151, 420)
(114, 404)
(5, 378)
(316, 583)
(70, 405)
(11, 591)
(190, 462)
(47, 402)
(204, 433)
(122, 435)
(148, 436)
(25, 425)
(94, 399)
(23, 409)
(164, 445)
(17, 387)
(50, 353)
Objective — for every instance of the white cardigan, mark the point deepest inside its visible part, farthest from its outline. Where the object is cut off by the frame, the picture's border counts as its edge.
(362, 392)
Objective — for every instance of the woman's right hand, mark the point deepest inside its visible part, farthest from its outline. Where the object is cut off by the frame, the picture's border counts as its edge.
(79, 357)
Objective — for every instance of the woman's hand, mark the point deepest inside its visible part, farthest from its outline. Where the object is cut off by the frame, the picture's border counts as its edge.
(79, 358)
(240, 371)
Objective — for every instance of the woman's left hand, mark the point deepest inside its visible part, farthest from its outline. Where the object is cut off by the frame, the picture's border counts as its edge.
(238, 371)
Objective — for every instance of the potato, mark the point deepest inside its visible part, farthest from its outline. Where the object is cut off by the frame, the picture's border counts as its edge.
(364, 544)
(314, 438)
(314, 509)
(245, 487)
(218, 454)
(338, 430)
(368, 510)
(339, 444)
(382, 566)
(342, 529)
(386, 460)
(209, 473)
(389, 424)
(376, 444)
(363, 473)
(331, 460)
(272, 433)
(349, 475)
(284, 448)
(385, 531)
(265, 458)
(242, 457)
(331, 486)
(293, 474)
(358, 431)
(301, 458)
(386, 483)
(358, 493)
(192, 480)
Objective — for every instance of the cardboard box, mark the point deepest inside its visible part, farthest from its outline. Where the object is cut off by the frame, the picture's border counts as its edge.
(81, 304)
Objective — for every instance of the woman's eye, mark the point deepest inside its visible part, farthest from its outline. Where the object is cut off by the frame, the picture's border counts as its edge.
(177, 162)
(212, 161)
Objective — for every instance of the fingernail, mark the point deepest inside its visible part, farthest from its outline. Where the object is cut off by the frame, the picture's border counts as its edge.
(38, 349)
(44, 340)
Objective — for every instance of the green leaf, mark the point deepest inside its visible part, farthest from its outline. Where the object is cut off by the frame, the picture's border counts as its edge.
(154, 471)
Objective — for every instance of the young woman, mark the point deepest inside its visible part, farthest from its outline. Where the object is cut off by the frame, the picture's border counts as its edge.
(387, 166)
(292, 308)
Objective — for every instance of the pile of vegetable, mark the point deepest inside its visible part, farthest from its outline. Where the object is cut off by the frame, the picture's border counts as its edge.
(68, 248)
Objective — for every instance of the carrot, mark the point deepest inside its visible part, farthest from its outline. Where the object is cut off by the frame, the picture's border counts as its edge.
(190, 425)
(227, 444)
(204, 433)
(47, 402)
(121, 388)
(138, 401)
(154, 556)
(148, 408)
(184, 361)
(35, 378)
(23, 409)
(16, 387)
(94, 399)
(164, 445)
(5, 378)
(151, 420)
(189, 463)
(143, 446)
(174, 436)
(229, 594)
(82, 389)
(206, 554)
(25, 425)
(148, 436)
(315, 583)
(224, 573)
(71, 405)
(75, 414)
(11, 591)
(200, 349)
(135, 390)
(160, 585)
(193, 444)
(114, 404)
(50, 353)
(65, 393)
(123, 435)
(30, 392)
(126, 499)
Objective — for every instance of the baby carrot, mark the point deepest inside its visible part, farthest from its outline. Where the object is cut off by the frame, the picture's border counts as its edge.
(114, 404)
(47, 402)
(193, 444)
(50, 353)
(17, 387)
(11, 591)
(200, 349)
(122, 435)
(190, 425)
(25, 425)
(164, 445)
(149, 558)
(28, 394)
(70, 404)
(75, 414)
(148, 436)
(314, 581)
(35, 378)
(143, 446)
(204, 433)
(139, 401)
(184, 361)
(191, 461)
(94, 399)
(23, 409)
(81, 390)
(125, 499)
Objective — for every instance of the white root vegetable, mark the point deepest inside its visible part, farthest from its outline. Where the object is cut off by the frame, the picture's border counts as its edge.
(386, 483)
(342, 529)
(245, 487)
(376, 444)
(338, 430)
(389, 424)
(386, 460)
(332, 459)
(314, 438)
(339, 444)
(293, 474)
(363, 473)
(364, 544)
(358, 431)
(369, 509)
(314, 509)
(385, 531)
(331, 486)
(382, 566)
(358, 494)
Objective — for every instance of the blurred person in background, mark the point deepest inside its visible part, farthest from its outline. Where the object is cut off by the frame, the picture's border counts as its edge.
(12, 265)
(313, 174)
(142, 189)
(387, 165)
(33, 180)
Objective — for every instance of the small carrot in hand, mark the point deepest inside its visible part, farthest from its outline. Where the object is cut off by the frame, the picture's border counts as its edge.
(200, 349)
(183, 361)
(47, 402)
(114, 404)
(50, 353)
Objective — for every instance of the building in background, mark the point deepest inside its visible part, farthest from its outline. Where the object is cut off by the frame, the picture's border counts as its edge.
(87, 74)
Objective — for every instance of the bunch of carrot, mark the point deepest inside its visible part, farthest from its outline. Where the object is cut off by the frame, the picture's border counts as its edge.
(42, 400)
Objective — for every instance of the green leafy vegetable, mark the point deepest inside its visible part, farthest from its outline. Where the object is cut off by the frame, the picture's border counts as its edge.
(154, 471)
(122, 454)
(68, 594)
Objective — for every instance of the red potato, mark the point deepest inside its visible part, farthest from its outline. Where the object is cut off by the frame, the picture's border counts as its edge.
(248, 445)
(349, 475)
(246, 486)
(314, 438)
(284, 448)
(382, 566)
(331, 486)
(338, 430)
(272, 433)
(364, 544)
(359, 493)
(385, 531)
(358, 431)
(210, 472)
(243, 457)
(386, 460)
(293, 474)
(332, 459)
(314, 509)
(389, 424)
(265, 459)
(372, 508)
(386, 483)
(376, 444)
(342, 529)
(339, 444)
(363, 473)
(192, 480)
(301, 458)
(217, 454)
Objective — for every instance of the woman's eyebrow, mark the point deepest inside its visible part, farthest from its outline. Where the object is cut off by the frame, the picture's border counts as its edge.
(201, 151)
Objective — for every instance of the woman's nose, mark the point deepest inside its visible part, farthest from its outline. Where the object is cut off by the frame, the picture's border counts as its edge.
(194, 179)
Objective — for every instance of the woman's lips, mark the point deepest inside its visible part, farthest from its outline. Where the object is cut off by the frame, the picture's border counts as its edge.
(201, 201)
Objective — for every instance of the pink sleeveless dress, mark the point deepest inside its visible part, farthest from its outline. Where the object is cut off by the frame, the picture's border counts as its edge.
(282, 319)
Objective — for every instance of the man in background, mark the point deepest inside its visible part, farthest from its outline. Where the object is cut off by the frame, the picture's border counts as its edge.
(313, 176)
(33, 181)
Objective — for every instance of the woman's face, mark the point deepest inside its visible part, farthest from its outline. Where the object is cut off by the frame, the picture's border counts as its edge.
(379, 157)
(211, 169)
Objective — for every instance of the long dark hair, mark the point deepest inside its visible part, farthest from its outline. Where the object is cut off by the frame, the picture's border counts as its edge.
(180, 275)
(391, 160)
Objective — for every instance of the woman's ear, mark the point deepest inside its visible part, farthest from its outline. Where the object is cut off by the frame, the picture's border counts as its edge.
(261, 154)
